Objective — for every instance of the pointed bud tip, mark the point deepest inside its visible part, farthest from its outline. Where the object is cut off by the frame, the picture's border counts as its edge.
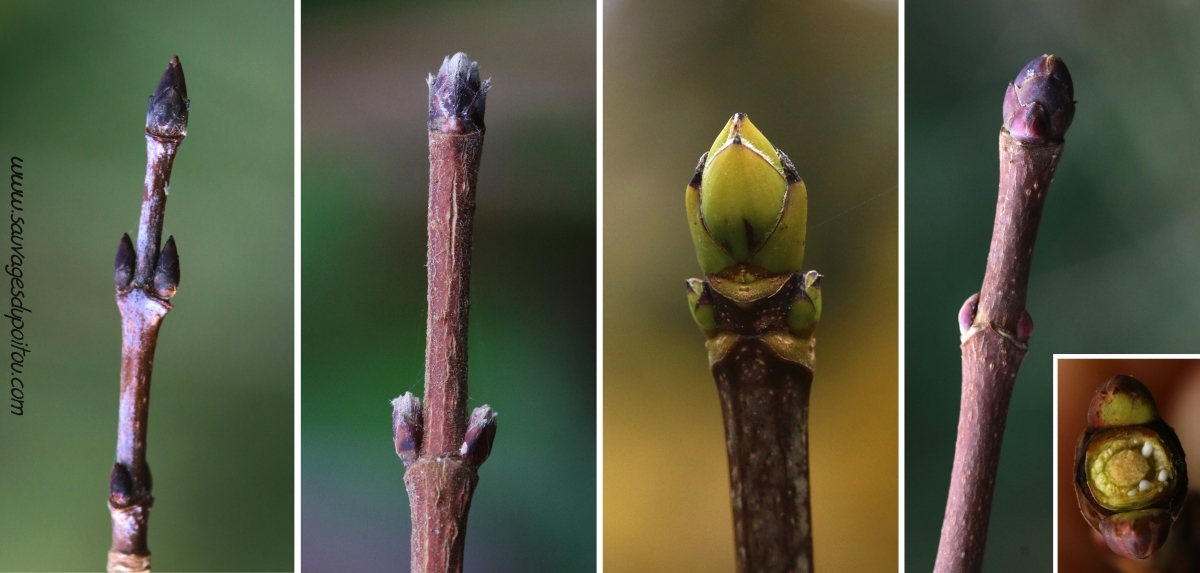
(481, 432)
(1039, 104)
(124, 262)
(167, 113)
(457, 97)
(407, 427)
(166, 276)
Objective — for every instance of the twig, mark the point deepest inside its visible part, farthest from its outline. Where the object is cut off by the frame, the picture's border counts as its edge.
(1038, 109)
(146, 280)
(441, 449)
(748, 208)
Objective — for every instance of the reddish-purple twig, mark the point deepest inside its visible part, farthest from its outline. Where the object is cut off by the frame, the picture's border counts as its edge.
(1038, 108)
(441, 449)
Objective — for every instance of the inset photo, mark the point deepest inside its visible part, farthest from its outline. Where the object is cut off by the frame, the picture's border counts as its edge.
(1124, 429)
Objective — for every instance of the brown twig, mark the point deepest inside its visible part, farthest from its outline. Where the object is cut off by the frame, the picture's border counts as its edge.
(1038, 109)
(441, 449)
(764, 397)
(145, 280)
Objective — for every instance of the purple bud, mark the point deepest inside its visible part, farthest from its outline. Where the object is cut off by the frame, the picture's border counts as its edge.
(407, 427)
(966, 315)
(1024, 327)
(167, 114)
(481, 432)
(166, 276)
(1136, 534)
(1040, 103)
(123, 265)
(457, 97)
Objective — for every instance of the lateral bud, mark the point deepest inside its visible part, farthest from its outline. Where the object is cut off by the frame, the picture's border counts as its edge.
(805, 313)
(407, 427)
(481, 432)
(166, 277)
(167, 113)
(700, 303)
(120, 486)
(123, 265)
(966, 314)
(1024, 327)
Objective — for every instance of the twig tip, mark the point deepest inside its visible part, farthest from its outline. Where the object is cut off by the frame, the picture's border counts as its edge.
(167, 113)
(1040, 102)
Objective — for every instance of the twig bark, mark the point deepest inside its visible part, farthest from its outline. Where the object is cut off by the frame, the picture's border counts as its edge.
(763, 379)
(145, 279)
(747, 207)
(441, 449)
(1038, 109)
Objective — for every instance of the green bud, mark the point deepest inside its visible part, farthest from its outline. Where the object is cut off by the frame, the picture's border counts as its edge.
(1122, 401)
(700, 303)
(806, 310)
(746, 204)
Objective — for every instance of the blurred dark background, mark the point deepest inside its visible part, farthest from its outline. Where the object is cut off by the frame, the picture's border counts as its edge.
(820, 80)
(74, 82)
(533, 296)
(1116, 263)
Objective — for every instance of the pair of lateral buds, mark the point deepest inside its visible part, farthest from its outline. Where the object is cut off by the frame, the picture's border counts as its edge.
(166, 272)
(166, 120)
(408, 432)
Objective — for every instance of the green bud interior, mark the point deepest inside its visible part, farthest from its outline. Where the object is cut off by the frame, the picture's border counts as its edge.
(1128, 468)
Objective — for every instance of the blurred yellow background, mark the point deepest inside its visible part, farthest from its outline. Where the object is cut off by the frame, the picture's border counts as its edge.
(820, 80)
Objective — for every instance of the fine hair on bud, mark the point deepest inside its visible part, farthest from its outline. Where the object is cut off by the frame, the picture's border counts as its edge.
(166, 276)
(123, 265)
(481, 432)
(407, 427)
(457, 97)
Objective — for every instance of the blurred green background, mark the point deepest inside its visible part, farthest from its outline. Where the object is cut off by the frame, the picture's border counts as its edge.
(533, 298)
(820, 80)
(1115, 268)
(74, 82)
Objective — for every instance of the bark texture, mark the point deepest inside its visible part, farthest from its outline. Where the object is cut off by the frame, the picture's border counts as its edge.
(763, 377)
(992, 351)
